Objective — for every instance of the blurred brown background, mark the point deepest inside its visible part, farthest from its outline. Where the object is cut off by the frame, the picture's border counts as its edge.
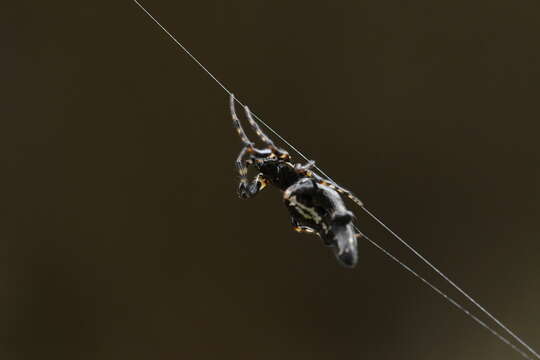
(121, 233)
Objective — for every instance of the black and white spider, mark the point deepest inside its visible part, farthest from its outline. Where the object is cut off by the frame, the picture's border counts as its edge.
(314, 203)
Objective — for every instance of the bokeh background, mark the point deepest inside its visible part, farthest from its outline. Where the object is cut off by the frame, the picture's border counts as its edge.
(121, 236)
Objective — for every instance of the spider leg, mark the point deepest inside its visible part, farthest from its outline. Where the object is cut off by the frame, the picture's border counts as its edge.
(247, 190)
(244, 189)
(241, 163)
(339, 189)
(265, 139)
(238, 125)
(301, 229)
(303, 168)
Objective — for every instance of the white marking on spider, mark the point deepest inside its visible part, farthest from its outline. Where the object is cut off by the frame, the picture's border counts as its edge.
(306, 211)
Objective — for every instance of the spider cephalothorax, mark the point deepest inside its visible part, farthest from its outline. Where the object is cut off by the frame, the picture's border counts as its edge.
(314, 203)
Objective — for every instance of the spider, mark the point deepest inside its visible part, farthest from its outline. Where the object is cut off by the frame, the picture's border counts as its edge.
(314, 204)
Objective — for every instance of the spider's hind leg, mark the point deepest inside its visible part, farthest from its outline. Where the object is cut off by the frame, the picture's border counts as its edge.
(246, 189)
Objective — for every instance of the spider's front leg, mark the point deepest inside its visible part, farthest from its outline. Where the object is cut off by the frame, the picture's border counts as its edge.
(247, 189)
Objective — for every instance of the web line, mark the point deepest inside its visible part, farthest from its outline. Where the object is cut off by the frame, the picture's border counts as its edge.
(448, 298)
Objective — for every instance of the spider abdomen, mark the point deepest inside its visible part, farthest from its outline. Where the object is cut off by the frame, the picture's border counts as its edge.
(321, 209)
